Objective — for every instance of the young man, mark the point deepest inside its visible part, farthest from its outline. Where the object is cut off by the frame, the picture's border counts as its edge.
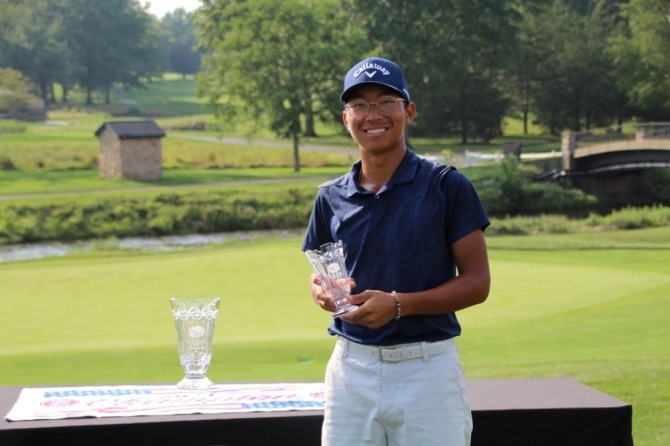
(415, 250)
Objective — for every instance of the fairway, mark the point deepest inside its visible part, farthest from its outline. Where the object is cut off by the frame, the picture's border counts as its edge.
(596, 314)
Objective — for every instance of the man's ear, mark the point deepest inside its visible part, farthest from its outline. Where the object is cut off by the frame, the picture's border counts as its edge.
(345, 120)
(410, 113)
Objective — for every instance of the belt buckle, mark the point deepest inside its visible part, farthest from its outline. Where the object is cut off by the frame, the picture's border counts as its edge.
(391, 354)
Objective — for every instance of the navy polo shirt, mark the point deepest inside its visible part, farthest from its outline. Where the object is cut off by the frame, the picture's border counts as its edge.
(398, 239)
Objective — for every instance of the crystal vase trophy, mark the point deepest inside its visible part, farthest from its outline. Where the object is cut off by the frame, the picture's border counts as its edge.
(194, 320)
(328, 263)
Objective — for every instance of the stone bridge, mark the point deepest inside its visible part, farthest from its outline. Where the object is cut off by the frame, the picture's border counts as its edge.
(611, 161)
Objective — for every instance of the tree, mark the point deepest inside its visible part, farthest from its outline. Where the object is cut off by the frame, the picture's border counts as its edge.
(453, 52)
(112, 42)
(573, 84)
(180, 29)
(274, 62)
(605, 101)
(95, 44)
(640, 50)
(15, 92)
(523, 62)
(30, 41)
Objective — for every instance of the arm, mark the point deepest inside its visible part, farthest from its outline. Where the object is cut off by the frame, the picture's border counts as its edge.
(470, 287)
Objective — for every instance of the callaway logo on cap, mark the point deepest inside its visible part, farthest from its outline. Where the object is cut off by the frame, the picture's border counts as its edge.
(370, 70)
(375, 70)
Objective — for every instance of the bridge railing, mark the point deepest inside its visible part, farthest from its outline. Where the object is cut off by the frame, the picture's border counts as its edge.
(647, 130)
(571, 141)
(602, 135)
(653, 130)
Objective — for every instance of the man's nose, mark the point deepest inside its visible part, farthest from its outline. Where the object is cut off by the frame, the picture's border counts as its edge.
(373, 106)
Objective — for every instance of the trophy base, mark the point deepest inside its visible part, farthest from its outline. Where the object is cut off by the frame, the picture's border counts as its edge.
(343, 310)
(195, 383)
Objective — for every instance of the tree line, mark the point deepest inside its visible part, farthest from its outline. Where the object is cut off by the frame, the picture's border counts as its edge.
(566, 64)
(92, 45)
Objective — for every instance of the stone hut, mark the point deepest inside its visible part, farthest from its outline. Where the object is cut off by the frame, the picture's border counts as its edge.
(130, 149)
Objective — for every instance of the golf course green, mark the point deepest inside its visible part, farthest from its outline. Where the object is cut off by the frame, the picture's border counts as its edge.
(593, 307)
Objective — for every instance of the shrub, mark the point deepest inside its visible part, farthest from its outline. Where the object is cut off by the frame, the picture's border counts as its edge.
(6, 163)
(514, 192)
(223, 211)
(164, 214)
(637, 218)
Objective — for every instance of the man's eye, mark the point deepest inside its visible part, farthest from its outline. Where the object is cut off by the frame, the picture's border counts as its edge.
(358, 105)
(386, 101)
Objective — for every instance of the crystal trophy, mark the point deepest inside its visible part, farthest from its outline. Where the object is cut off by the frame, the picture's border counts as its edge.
(328, 263)
(194, 320)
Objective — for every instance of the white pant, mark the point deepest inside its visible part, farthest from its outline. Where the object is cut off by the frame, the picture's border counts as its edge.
(414, 402)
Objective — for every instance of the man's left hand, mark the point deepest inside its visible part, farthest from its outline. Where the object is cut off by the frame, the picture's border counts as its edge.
(377, 308)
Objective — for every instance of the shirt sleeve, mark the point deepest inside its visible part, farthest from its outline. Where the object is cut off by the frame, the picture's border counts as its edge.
(318, 229)
(465, 211)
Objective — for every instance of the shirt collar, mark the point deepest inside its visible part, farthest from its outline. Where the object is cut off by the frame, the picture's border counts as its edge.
(405, 173)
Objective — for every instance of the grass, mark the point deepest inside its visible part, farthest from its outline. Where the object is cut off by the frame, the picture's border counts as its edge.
(73, 146)
(593, 308)
(170, 96)
(67, 317)
(28, 186)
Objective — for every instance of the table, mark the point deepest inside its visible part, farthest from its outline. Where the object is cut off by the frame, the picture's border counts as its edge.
(514, 412)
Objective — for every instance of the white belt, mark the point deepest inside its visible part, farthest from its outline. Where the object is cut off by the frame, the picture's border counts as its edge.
(396, 353)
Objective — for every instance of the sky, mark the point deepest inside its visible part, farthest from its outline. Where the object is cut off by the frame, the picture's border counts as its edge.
(161, 7)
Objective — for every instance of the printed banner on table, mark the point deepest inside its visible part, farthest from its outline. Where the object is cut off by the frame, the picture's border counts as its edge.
(125, 401)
